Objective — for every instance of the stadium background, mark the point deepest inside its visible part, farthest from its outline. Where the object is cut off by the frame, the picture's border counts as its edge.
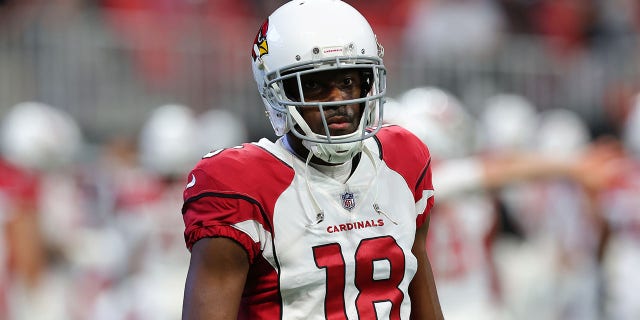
(110, 62)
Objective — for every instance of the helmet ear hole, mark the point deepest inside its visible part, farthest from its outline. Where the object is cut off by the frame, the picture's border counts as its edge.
(290, 88)
(367, 83)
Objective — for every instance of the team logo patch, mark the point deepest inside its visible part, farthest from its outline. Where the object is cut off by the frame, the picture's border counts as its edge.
(348, 200)
(192, 182)
(261, 41)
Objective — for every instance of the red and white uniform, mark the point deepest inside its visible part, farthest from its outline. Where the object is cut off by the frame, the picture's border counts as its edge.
(354, 264)
(17, 189)
(460, 241)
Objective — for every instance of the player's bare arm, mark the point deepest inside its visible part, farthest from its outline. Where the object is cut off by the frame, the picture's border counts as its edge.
(425, 304)
(215, 280)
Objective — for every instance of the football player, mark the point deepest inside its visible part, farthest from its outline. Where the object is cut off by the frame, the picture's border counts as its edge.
(620, 208)
(146, 184)
(559, 217)
(330, 220)
(22, 258)
(482, 274)
(40, 144)
(464, 220)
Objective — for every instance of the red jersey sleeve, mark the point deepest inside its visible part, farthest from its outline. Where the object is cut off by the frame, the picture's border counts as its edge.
(232, 193)
(18, 186)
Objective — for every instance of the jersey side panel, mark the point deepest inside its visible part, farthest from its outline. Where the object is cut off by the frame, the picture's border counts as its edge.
(409, 156)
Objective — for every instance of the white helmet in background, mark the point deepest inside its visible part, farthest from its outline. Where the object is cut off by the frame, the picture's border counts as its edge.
(439, 120)
(562, 133)
(308, 36)
(38, 136)
(393, 110)
(509, 122)
(220, 128)
(631, 129)
(167, 142)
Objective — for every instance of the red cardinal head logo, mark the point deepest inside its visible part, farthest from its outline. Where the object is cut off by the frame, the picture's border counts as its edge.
(261, 41)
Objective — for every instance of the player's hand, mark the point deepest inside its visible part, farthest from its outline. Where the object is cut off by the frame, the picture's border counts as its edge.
(601, 163)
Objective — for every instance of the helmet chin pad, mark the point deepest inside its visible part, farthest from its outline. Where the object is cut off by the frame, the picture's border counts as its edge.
(334, 153)
(331, 149)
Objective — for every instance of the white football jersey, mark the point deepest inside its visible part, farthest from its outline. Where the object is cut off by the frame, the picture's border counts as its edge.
(318, 248)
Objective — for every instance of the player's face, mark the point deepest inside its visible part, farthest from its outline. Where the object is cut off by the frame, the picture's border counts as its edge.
(329, 86)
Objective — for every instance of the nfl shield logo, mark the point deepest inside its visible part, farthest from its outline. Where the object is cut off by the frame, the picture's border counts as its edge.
(348, 201)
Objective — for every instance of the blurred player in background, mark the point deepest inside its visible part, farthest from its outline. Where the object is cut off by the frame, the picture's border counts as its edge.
(146, 194)
(509, 124)
(560, 228)
(570, 217)
(329, 221)
(620, 208)
(22, 255)
(464, 218)
(219, 128)
(44, 141)
(471, 260)
(559, 232)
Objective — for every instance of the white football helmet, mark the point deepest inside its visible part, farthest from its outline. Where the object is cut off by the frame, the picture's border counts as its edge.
(562, 133)
(307, 36)
(509, 122)
(38, 136)
(220, 128)
(631, 129)
(439, 119)
(167, 141)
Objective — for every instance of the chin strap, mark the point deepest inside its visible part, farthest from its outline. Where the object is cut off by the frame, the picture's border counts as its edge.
(316, 207)
(329, 152)
(334, 153)
(376, 207)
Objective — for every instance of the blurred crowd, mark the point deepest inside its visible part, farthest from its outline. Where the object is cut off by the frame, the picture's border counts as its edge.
(535, 217)
(537, 210)
(104, 60)
(98, 239)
